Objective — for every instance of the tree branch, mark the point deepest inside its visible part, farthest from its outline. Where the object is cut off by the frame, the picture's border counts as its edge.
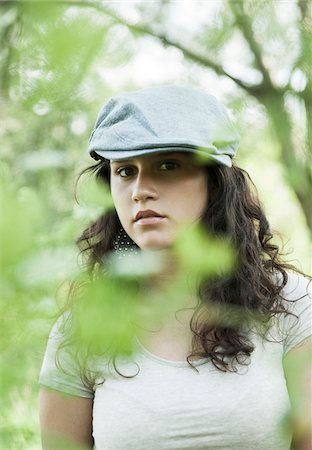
(196, 57)
(304, 6)
(251, 89)
(244, 24)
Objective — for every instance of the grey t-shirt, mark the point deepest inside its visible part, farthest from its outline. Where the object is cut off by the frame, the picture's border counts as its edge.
(168, 405)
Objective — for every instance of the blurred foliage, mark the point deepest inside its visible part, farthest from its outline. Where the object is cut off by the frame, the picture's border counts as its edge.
(54, 59)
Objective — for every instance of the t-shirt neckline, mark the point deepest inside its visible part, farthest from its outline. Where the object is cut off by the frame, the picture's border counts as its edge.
(167, 362)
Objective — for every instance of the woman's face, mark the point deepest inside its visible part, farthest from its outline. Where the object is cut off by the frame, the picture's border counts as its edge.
(171, 185)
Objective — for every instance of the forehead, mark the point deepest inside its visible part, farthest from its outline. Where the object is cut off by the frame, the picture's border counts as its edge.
(154, 156)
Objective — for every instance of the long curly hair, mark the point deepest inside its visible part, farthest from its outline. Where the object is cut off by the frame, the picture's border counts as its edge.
(233, 210)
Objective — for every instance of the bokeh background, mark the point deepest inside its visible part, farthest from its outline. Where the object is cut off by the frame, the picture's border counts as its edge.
(60, 60)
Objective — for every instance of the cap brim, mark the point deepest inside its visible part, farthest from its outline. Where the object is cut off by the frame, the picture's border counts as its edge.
(114, 155)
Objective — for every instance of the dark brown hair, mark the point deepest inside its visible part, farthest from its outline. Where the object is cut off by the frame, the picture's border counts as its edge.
(234, 211)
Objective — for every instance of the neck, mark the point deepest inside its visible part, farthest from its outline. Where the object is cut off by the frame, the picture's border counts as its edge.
(168, 299)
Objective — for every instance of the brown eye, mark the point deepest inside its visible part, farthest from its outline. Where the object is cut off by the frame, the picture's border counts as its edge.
(169, 165)
(125, 172)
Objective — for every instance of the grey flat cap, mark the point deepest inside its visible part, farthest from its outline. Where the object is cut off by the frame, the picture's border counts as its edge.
(164, 119)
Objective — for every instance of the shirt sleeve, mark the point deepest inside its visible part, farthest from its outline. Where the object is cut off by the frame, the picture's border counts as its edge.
(60, 369)
(297, 326)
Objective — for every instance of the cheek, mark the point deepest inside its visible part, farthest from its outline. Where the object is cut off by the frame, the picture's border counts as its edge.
(120, 202)
(118, 194)
(191, 197)
(203, 194)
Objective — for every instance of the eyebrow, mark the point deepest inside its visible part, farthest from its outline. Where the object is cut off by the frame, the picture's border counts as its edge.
(157, 155)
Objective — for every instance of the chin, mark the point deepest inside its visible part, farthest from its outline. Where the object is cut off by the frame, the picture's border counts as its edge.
(155, 244)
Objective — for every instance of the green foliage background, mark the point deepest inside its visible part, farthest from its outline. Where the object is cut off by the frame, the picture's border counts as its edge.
(54, 57)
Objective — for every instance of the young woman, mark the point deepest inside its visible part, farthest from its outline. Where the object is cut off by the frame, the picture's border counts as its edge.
(193, 382)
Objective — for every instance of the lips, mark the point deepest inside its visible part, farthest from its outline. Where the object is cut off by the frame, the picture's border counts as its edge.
(146, 213)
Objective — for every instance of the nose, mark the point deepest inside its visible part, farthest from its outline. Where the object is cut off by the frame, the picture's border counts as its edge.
(143, 188)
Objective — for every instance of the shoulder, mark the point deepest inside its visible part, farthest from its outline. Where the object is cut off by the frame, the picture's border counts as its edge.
(61, 327)
(61, 369)
(296, 292)
(297, 286)
(296, 297)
